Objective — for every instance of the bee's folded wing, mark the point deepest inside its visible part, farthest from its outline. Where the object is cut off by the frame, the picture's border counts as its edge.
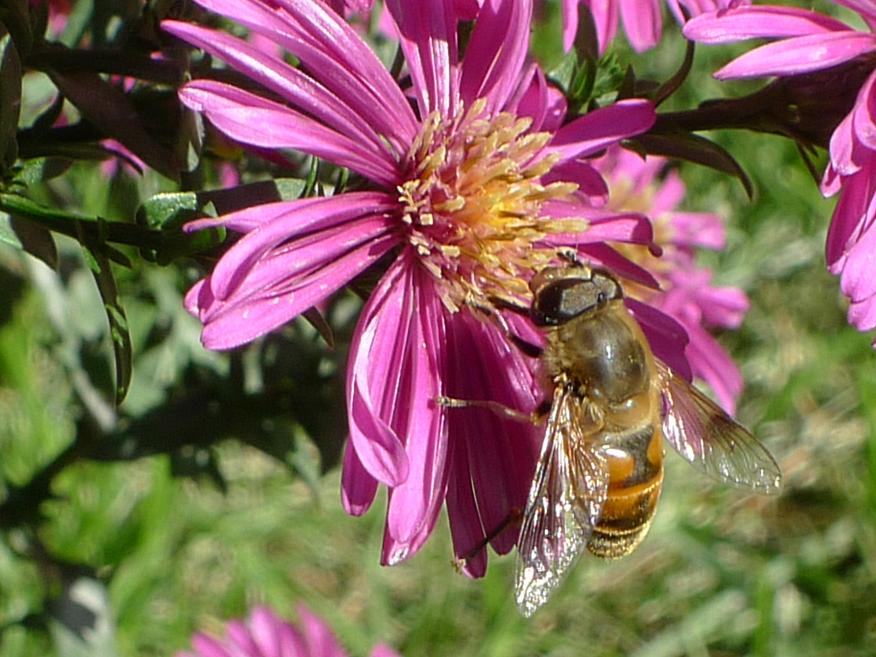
(564, 504)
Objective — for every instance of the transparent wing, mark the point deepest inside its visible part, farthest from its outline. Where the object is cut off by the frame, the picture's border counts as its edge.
(710, 439)
(564, 503)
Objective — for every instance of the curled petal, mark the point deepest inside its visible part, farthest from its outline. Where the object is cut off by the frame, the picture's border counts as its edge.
(800, 55)
(759, 22)
(602, 127)
(373, 383)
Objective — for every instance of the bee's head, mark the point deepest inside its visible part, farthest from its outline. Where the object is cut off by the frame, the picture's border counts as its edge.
(560, 294)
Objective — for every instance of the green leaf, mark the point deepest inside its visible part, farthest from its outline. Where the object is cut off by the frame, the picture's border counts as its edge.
(10, 98)
(173, 209)
(40, 169)
(29, 237)
(97, 256)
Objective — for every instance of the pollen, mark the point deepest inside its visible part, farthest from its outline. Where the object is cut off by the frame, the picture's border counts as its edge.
(473, 203)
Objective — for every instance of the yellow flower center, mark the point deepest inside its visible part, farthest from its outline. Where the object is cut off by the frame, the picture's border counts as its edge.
(472, 204)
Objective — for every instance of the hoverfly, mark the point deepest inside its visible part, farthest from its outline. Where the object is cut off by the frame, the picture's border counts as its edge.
(600, 470)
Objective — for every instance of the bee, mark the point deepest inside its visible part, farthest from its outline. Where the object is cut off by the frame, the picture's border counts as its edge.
(600, 471)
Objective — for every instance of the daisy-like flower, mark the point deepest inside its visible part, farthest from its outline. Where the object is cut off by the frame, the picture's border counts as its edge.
(264, 634)
(809, 43)
(471, 182)
(642, 19)
(686, 292)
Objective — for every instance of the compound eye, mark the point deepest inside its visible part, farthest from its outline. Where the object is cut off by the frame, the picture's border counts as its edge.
(564, 300)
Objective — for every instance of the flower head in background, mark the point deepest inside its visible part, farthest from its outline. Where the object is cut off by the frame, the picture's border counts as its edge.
(686, 292)
(809, 42)
(264, 634)
(471, 181)
(642, 19)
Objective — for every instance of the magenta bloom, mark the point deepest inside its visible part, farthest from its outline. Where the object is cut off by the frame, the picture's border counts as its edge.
(808, 42)
(264, 634)
(473, 183)
(686, 292)
(642, 19)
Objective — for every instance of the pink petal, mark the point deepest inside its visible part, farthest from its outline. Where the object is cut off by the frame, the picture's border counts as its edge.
(590, 182)
(858, 280)
(668, 338)
(382, 650)
(613, 261)
(605, 19)
(496, 52)
(643, 22)
(799, 55)
(862, 314)
(206, 646)
(570, 23)
(602, 128)
(759, 22)
(711, 363)
(300, 218)
(318, 635)
(865, 114)
(264, 629)
(275, 74)
(698, 229)
(499, 454)
(245, 319)
(427, 33)
(332, 52)
(358, 487)
(531, 98)
(291, 262)
(421, 495)
(850, 214)
(374, 375)
(254, 120)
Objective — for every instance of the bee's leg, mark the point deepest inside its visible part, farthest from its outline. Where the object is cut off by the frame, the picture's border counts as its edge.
(527, 348)
(570, 256)
(496, 407)
(513, 518)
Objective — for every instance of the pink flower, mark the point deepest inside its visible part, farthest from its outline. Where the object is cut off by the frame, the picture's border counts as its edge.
(470, 183)
(264, 634)
(642, 19)
(809, 42)
(686, 292)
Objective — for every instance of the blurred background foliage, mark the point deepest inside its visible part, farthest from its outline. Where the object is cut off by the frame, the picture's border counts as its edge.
(214, 485)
